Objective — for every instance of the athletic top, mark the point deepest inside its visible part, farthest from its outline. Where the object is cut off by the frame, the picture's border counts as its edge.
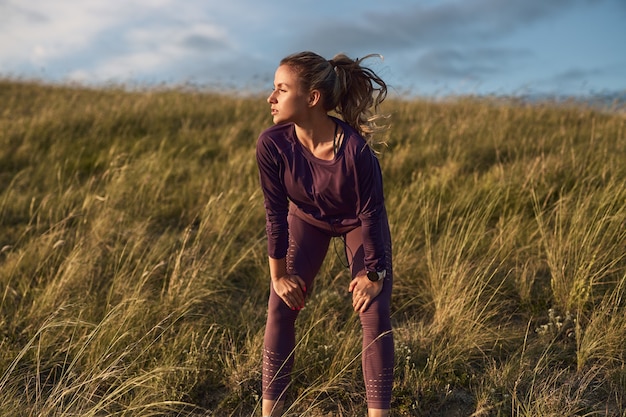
(344, 192)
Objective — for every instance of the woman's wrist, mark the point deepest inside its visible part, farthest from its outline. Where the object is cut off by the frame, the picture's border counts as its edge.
(278, 268)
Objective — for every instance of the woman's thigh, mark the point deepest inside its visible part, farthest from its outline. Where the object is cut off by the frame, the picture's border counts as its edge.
(308, 246)
(355, 252)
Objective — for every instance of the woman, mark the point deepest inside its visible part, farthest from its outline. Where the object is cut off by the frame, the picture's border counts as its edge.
(320, 179)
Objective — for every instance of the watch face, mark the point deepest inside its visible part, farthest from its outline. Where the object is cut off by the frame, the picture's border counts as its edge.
(373, 276)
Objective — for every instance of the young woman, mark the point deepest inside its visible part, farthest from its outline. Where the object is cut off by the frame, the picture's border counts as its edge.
(321, 179)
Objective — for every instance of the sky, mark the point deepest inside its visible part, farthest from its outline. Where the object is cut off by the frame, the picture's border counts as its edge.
(428, 47)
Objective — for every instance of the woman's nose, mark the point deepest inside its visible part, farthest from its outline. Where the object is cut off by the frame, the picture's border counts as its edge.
(270, 98)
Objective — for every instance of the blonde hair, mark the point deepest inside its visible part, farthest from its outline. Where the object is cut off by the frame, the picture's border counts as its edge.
(351, 90)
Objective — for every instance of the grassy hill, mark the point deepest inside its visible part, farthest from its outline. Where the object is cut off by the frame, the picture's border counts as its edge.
(134, 278)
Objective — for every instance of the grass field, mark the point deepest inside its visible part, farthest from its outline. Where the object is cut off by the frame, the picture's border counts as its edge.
(134, 278)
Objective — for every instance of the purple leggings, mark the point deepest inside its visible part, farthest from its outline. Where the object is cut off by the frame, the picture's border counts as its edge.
(308, 245)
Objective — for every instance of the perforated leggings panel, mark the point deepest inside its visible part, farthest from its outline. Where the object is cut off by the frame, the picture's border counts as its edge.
(308, 246)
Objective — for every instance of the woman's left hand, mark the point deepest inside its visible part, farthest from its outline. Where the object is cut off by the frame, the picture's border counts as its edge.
(363, 292)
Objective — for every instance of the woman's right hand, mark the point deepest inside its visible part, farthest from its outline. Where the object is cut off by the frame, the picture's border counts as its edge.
(291, 289)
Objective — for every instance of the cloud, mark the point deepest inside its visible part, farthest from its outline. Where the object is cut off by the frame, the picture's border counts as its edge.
(446, 42)
(103, 40)
(202, 43)
(11, 11)
(169, 38)
(473, 64)
(577, 75)
(436, 24)
(581, 79)
(157, 52)
(38, 31)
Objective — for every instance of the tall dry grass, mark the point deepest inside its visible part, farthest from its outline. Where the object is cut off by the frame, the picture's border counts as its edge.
(133, 272)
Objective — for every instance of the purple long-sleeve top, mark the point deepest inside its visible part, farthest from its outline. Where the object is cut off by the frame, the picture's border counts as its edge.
(344, 192)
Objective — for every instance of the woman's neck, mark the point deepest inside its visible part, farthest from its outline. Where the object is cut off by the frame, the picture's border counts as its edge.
(317, 136)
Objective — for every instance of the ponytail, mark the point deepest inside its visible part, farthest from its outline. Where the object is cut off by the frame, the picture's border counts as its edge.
(351, 90)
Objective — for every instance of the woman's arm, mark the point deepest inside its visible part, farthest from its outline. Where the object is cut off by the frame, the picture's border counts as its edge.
(275, 197)
(372, 209)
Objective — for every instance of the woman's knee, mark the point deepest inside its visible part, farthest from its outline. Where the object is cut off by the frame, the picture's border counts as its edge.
(376, 317)
(279, 312)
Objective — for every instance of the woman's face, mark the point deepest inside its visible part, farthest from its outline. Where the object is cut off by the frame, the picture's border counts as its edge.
(288, 103)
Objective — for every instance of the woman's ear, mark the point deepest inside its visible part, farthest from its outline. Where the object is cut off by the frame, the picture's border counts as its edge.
(314, 98)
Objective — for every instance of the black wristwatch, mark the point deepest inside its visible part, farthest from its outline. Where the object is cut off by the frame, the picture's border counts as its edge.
(376, 276)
